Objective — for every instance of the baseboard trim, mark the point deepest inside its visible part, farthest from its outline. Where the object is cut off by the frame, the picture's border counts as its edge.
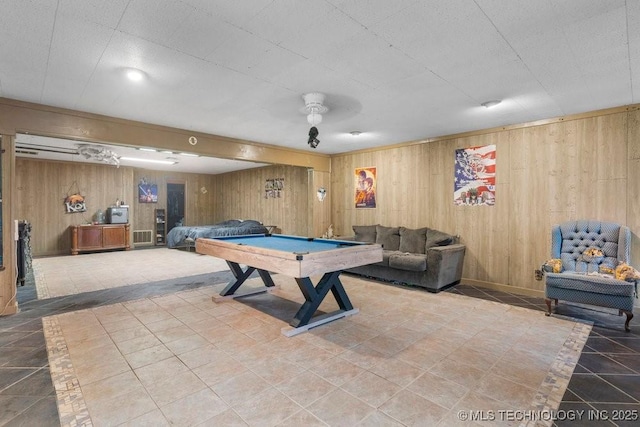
(504, 288)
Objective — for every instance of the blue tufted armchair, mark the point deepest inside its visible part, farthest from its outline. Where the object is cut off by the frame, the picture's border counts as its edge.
(580, 279)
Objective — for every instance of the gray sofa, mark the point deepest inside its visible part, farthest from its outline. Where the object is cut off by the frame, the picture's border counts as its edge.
(421, 257)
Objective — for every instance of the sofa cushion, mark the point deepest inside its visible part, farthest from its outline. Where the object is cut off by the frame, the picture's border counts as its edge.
(413, 240)
(365, 233)
(438, 238)
(386, 255)
(388, 237)
(410, 262)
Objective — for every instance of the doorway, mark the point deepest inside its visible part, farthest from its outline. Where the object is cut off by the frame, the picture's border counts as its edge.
(175, 205)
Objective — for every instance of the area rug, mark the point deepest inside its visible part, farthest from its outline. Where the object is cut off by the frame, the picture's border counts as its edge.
(407, 358)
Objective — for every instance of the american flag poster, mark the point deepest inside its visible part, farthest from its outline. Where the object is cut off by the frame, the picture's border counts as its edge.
(475, 176)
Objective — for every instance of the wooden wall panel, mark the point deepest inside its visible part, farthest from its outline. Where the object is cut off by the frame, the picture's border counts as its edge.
(585, 167)
(42, 186)
(241, 195)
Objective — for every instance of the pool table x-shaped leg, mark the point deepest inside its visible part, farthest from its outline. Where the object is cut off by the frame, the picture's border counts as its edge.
(314, 295)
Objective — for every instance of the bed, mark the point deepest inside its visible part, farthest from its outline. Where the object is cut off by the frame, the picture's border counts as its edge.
(184, 236)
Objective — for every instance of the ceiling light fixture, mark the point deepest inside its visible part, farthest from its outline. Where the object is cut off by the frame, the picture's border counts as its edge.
(489, 104)
(189, 155)
(136, 159)
(153, 150)
(135, 75)
(355, 133)
(314, 107)
(99, 153)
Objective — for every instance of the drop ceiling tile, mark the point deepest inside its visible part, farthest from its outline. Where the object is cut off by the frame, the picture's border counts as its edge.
(106, 13)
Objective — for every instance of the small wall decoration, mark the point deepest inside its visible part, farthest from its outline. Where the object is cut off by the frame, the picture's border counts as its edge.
(321, 193)
(366, 187)
(273, 188)
(475, 176)
(147, 193)
(74, 202)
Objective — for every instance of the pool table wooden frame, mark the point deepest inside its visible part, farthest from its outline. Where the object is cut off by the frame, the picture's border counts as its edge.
(300, 265)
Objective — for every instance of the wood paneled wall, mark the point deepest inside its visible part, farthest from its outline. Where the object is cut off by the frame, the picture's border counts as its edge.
(586, 167)
(241, 195)
(42, 186)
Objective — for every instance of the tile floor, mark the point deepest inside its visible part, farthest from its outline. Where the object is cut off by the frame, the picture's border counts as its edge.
(606, 377)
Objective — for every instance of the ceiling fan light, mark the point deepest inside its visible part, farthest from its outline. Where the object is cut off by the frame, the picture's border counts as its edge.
(314, 119)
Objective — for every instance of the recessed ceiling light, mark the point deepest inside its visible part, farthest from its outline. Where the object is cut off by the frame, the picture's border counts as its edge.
(489, 104)
(134, 74)
(355, 133)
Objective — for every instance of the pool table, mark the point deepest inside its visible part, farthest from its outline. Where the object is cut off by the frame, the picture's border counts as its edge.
(298, 257)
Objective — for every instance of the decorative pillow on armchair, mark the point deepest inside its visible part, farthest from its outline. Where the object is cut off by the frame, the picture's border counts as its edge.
(592, 255)
(553, 266)
(625, 272)
(365, 233)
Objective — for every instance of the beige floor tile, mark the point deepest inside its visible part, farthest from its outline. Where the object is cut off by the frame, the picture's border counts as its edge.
(217, 372)
(337, 370)
(148, 356)
(174, 387)
(397, 371)
(186, 344)
(411, 409)
(120, 409)
(461, 373)
(274, 371)
(237, 389)
(302, 418)
(268, 408)
(196, 408)
(154, 372)
(503, 390)
(339, 408)
(305, 388)
(379, 419)
(154, 418)
(227, 418)
(371, 388)
(438, 390)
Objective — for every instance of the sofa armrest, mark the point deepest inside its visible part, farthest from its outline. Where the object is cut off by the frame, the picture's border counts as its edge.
(445, 262)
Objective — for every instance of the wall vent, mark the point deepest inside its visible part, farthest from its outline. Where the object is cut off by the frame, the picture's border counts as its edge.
(142, 237)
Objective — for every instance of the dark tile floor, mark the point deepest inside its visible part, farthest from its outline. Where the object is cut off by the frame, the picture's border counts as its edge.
(604, 389)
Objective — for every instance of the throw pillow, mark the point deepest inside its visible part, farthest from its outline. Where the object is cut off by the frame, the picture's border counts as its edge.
(413, 241)
(365, 233)
(625, 272)
(438, 238)
(592, 255)
(388, 237)
(553, 266)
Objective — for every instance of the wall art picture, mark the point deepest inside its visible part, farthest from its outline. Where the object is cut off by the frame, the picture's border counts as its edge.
(366, 187)
(475, 176)
(147, 193)
(273, 188)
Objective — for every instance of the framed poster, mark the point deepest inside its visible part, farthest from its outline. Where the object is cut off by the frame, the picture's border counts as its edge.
(147, 193)
(475, 176)
(366, 187)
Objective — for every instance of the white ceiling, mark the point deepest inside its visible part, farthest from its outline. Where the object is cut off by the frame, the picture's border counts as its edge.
(397, 71)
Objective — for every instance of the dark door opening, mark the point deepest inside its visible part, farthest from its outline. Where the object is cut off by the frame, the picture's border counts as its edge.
(175, 205)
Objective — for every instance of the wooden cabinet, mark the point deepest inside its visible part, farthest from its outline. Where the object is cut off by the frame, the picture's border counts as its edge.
(161, 227)
(91, 238)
